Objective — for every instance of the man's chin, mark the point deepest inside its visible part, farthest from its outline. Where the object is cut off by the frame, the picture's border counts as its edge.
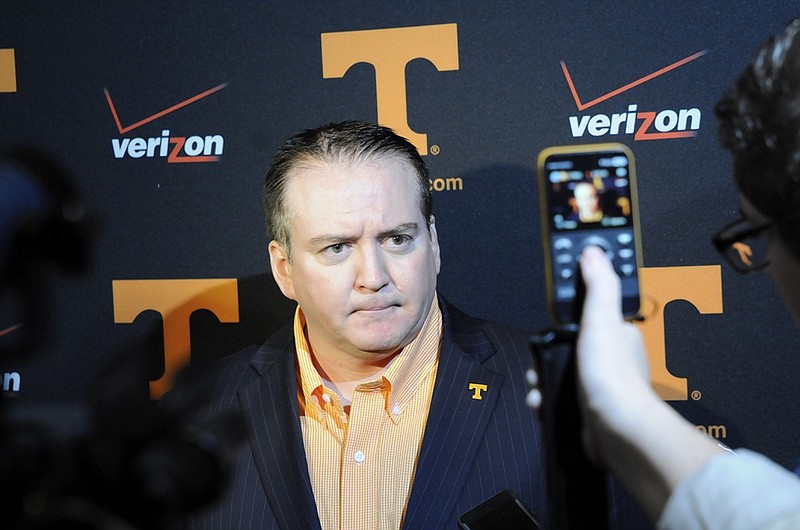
(380, 346)
(382, 337)
(380, 349)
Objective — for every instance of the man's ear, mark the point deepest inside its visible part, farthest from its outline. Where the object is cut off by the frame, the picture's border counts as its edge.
(281, 269)
(435, 244)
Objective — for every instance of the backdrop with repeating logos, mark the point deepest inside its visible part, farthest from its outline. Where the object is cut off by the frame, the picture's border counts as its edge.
(166, 116)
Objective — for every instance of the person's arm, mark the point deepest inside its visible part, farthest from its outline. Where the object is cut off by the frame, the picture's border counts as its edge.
(628, 428)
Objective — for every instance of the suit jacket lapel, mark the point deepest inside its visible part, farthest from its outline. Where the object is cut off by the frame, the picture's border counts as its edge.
(458, 417)
(276, 440)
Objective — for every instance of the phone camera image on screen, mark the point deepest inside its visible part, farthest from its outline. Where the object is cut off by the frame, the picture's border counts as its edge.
(589, 199)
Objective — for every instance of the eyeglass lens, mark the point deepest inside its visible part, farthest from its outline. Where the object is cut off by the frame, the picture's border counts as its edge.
(749, 248)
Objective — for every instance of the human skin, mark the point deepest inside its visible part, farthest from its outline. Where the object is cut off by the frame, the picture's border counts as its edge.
(588, 202)
(784, 266)
(364, 262)
(628, 427)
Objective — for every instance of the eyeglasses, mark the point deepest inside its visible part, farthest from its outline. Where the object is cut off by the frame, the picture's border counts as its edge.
(743, 245)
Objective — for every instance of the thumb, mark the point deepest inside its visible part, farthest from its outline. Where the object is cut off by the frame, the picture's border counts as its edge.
(603, 301)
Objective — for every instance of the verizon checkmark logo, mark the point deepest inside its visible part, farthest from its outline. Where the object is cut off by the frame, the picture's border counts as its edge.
(10, 329)
(663, 125)
(176, 149)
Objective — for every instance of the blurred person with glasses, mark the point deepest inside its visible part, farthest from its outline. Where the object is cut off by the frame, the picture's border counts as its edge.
(681, 477)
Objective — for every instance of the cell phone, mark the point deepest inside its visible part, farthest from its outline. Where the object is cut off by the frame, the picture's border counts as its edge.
(588, 197)
(503, 510)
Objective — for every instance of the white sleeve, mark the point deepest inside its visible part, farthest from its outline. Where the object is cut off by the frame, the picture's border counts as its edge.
(742, 491)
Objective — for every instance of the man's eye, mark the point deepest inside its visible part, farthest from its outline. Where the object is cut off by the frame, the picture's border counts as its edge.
(335, 249)
(399, 240)
(334, 253)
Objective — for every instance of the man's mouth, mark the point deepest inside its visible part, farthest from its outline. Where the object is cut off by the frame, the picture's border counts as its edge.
(375, 308)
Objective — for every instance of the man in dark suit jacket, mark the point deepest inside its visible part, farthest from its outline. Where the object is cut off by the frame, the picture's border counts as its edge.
(355, 244)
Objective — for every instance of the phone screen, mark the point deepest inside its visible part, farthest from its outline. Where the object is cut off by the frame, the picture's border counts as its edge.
(589, 198)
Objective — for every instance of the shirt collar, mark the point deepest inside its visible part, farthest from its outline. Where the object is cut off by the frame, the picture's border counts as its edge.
(404, 375)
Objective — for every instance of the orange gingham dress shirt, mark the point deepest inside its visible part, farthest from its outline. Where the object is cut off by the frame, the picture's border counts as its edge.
(362, 464)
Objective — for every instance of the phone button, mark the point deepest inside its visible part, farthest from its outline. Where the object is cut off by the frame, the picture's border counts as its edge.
(599, 242)
(562, 243)
(566, 292)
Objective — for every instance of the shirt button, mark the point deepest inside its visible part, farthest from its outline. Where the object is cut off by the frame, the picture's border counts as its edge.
(359, 457)
(326, 398)
(396, 410)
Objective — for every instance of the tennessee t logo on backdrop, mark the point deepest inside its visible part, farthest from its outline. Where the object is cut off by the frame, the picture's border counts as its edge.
(175, 300)
(389, 51)
(700, 286)
(8, 71)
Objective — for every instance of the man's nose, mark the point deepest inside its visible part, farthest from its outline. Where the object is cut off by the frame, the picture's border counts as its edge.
(372, 274)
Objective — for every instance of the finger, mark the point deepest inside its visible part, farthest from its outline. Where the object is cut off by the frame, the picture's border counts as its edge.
(603, 301)
(532, 377)
(534, 399)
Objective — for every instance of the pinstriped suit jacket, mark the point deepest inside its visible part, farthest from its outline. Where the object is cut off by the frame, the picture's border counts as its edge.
(471, 449)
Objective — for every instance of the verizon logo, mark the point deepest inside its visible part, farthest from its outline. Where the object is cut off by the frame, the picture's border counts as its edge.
(176, 149)
(642, 124)
(647, 125)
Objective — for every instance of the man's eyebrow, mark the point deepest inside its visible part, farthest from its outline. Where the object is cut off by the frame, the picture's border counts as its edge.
(327, 239)
(404, 228)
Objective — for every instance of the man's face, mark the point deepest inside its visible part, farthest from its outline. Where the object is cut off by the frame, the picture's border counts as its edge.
(364, 264)
(586, 199)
